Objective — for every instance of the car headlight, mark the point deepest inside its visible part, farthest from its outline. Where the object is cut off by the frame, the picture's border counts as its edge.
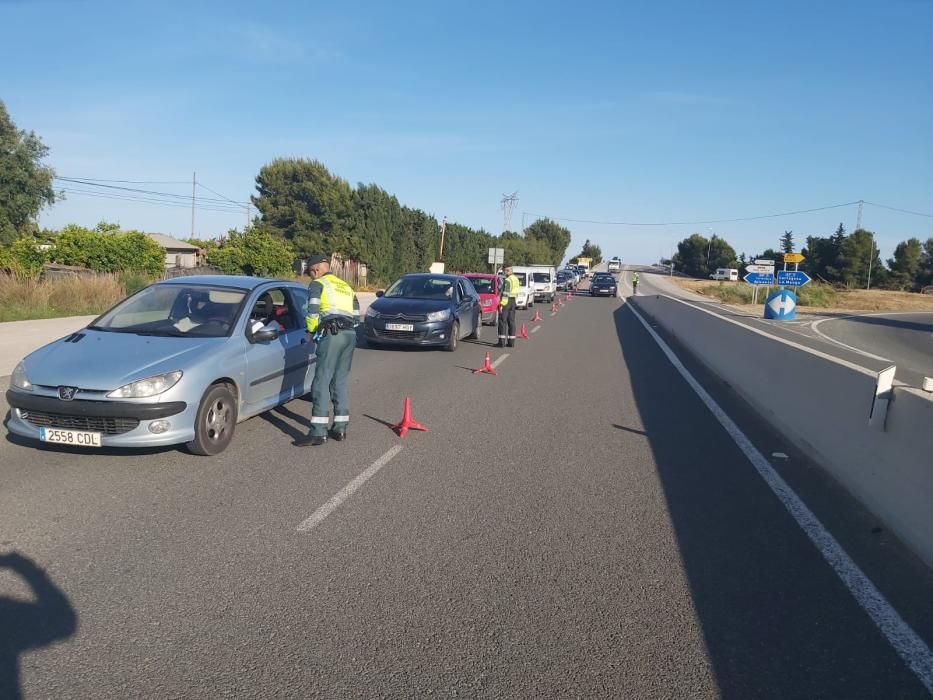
(19, 379)
(143, 388)
(371, 313)
(441, 315)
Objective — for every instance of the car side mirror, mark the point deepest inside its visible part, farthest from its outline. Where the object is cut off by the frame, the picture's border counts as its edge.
(264, 334)
(379, 293)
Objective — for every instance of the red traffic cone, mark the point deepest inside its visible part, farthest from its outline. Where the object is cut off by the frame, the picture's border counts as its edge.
(554, 307)
(523, 333)
(486, 368)
(407, 422)
(537, 316)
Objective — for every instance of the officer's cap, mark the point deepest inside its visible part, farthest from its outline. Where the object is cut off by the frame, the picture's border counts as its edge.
(317, 260)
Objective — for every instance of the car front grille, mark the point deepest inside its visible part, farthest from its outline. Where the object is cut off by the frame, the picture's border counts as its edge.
(107, 425)
(399, 335)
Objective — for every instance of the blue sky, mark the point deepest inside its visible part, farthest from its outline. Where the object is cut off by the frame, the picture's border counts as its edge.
(618, 111)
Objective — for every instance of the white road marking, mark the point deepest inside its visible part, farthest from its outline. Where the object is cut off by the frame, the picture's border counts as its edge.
(908, 645)
(500, 360)
(815, 328)
(343, 494)
(536, 329)
(553, 313)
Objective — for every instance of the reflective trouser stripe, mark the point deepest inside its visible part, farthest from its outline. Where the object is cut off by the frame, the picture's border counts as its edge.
(341, 419)
(502, 336)
(320, 419)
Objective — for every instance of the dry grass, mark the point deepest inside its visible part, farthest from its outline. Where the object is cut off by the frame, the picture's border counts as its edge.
(815, 298)
(24, 298)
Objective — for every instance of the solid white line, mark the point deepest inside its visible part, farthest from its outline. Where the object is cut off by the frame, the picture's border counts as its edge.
(814, 327)
(909, 646)
(536, 329)
(553, 313)
(499, 360)
(343, 494)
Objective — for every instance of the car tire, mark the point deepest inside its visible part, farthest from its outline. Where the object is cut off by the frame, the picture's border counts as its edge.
(215, 422)
(454, 338)
(477, 333)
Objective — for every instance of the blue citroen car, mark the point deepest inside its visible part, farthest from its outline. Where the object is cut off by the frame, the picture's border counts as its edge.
(181, 361)
(425, 309)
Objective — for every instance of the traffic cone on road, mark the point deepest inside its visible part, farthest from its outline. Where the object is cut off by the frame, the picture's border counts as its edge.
(537, 317)
(407, 423)
(554, 307)
(523, 333)
(486, 368)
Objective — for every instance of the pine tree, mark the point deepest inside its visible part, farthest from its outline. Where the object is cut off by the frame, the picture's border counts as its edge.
(787, 242)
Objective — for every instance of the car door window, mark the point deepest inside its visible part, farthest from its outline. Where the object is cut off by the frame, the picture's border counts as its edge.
(300, 304)
(275, 305)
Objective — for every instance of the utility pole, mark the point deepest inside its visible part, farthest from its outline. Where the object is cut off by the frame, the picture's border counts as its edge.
(709, 248)
(871, 255)
(508, 203)
(248, 212)
(858, 219)
(443, 231)
(194, 185)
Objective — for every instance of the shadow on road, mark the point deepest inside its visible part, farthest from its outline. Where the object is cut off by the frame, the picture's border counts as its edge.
(776, 621)
(25, 626)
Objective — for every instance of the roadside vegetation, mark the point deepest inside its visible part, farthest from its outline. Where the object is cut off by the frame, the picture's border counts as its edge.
(24, 298)
(814, 297)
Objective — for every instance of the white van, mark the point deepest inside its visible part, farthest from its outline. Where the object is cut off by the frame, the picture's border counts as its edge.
(526, 297)
(544, 282)
(725, 273)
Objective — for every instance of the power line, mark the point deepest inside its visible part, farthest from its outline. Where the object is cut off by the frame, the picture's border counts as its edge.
(692, 223)
(167, 195)
(148, 200)
(131, 182)
(902, 211)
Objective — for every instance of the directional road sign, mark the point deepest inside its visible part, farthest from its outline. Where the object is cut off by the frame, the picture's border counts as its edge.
(792, 278)
(768, 269)
(793, 258)
(764, 261)
(781, 305)
(759, 278)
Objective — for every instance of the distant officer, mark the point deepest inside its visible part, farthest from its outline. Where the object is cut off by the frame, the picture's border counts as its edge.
(332, 318)
(634, 284)
(507, 300)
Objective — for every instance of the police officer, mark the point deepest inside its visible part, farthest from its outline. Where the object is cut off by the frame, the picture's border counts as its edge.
(634, 284)
(507, 300)
(333, 314)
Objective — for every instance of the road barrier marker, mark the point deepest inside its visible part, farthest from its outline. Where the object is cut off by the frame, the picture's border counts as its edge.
(913, 651)
(343, 494)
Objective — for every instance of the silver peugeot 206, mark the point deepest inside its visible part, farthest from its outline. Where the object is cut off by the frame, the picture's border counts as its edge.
(181, 361)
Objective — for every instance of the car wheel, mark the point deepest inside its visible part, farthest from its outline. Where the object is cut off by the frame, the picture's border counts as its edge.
(454, 337)
(215, 421)
(477, 333)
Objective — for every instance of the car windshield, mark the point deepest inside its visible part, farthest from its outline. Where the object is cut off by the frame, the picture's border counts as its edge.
(483, 285)
(541, 276)
(603, 279)
(177, 310)
(421, 288)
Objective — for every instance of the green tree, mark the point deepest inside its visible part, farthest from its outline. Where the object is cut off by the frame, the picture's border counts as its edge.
(25, 183)
(858, 255)
(553, 235)
(592, 251)
(698, 256)
(106, 249)
(925, 273)
(787, 242)
(905, 265)
(255, 252)
(302, 202)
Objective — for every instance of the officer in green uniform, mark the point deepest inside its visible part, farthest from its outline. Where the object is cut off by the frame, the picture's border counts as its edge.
(507, 301)
(635, 284)
(332, 317)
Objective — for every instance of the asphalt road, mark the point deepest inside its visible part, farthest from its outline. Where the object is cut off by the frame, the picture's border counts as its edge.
(874, 341)
(578, 525)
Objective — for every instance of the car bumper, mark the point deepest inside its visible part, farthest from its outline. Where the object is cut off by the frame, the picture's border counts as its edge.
(424, 333)
(120, 423)
(604, 291)
(489, 314)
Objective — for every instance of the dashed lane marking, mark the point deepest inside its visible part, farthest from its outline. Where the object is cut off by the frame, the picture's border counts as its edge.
(318, 516)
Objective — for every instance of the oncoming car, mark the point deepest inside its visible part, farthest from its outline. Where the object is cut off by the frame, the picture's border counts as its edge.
(603, 283)
(181, 361)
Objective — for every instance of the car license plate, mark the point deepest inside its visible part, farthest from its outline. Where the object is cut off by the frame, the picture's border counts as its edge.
(80, 438)
(400, 327)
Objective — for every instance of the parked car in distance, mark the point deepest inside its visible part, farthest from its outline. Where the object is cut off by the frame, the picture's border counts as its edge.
(603, 283)
(180, 361)
(425, 309)
(488, 287)
(725, 274)
(615, 265)
(544, 283)
(566, 280)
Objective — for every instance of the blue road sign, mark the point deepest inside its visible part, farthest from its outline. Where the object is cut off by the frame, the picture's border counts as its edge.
(781, 305)
(792, 278)
(759, 278)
